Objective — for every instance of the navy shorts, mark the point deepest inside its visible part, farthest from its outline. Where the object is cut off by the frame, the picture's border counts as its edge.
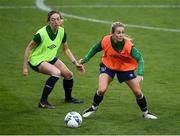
(35, 68)
(121, 75)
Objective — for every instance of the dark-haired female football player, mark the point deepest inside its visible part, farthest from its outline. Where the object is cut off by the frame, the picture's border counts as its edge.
(41, 53)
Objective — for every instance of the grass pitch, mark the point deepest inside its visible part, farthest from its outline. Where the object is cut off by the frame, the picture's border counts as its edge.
(118, 114)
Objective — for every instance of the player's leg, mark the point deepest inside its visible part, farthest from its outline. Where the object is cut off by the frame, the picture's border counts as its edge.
(140, 98)
(105, 79)
(67, 82)
(49, 69)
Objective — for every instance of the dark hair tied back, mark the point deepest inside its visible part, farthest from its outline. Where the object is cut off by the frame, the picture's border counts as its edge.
(53, 12)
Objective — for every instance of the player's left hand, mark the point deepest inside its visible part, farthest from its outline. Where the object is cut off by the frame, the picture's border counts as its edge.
(139, 78)
(80, 68)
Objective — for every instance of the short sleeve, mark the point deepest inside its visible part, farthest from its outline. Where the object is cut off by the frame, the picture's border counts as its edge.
(37, 38)
(64, 38)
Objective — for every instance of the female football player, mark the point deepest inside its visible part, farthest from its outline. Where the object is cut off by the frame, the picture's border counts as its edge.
(119, 58)
(41, 52)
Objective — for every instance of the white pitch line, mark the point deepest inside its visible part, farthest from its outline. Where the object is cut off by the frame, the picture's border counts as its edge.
(17, 7)
(96, 6)
(118, 6)
(40, 4)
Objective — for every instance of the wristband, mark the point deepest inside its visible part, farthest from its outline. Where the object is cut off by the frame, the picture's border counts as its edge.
(74, 62)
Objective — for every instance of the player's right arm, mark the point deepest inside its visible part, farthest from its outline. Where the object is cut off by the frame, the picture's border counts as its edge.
(96, 48)
(28, 50)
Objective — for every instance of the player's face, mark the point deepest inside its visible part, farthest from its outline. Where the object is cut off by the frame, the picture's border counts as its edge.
(55, 20)
(118, 34)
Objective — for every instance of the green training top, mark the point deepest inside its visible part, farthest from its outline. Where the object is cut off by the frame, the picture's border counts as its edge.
(48, 47)
(118, 47)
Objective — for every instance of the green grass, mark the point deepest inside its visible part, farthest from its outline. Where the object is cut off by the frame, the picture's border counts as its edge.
(118, 114)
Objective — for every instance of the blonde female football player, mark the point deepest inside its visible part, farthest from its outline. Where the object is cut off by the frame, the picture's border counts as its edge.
(41, 53)
(119, 58)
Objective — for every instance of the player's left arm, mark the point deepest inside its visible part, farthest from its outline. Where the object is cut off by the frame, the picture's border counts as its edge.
(137, 55)
(66, 49)
(68, 52)
(71, 57)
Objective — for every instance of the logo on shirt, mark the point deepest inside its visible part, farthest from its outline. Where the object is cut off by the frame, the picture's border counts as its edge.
(52, 46)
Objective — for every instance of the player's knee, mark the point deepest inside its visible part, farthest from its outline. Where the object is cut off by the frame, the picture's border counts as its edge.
(138, 94)
(68, 76)
(101, 91)
(56, 73)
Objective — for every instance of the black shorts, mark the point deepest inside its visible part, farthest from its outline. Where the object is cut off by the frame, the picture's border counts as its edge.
(121, 75)
(35, 68)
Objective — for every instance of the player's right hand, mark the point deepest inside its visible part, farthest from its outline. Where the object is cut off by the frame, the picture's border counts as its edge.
(25, 71)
